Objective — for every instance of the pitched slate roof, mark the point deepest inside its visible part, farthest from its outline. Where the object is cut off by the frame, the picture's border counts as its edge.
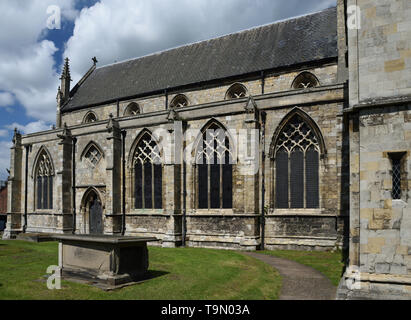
(298, 40)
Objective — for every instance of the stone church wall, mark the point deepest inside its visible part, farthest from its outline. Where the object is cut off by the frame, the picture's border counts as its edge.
(237, 228)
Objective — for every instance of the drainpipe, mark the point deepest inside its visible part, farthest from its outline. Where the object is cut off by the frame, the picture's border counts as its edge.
(123, 222)
(166, 94)
(262, 82)
(73, 176)
(25, 187)
(263, 119)
(184, 226)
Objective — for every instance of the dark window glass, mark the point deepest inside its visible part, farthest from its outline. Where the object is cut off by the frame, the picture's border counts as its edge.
(311, 178)
(282, 179)
(228, 186)
(45, 193)
(148, 192)
(138, 184)
(297, 179)
(203, 186)
(158, 188)
(50, 192)
(39, 193)
(215, 186)
(396, 178)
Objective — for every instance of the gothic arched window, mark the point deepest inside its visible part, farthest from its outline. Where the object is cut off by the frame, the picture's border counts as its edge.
(236, 91)
(214, 162)
(179, 101)
(132, 109)
(305, 80)
(44, 174)
(148, 174)
(90, 118)
(297, 155)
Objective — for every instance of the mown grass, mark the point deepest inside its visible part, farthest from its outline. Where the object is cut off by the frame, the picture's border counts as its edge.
(328, 263)
(183, 274)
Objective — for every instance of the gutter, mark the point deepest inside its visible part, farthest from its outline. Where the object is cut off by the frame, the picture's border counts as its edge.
(73, 175)
(25, 187)
(262, 222)
(184, 222)
(123, 221)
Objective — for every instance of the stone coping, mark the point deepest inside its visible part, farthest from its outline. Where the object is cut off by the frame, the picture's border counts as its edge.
(105, 239)
(379, 277)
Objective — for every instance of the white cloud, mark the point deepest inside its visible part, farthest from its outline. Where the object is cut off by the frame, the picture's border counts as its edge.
(4, 158)
(27, 66)
(6, 99)
(31, 127)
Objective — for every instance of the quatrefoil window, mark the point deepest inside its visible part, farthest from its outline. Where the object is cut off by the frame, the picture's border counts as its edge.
(93, 156)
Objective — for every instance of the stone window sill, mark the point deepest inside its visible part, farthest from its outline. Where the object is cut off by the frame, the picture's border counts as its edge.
(297, 212)
(45, 212)
(213, 211)
(146, 212)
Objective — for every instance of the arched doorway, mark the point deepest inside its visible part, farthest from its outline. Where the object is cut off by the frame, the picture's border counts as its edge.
(92, 209)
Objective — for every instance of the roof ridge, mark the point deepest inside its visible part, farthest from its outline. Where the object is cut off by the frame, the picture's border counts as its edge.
(219, 37)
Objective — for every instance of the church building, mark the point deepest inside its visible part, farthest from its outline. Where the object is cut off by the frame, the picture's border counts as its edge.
(292, 135)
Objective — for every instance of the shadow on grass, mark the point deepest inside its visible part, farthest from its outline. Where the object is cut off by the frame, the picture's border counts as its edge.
(152, 274)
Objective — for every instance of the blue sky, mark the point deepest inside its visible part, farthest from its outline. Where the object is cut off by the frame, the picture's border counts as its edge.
(31, 55)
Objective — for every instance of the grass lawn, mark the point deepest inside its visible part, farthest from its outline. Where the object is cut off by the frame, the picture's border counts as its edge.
(185, 274)
(328, 263)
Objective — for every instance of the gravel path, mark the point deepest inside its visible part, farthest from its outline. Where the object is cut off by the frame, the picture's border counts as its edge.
(299, 282)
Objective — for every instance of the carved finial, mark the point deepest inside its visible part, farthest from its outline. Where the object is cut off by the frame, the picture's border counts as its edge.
(16, 137)
(65, 81)
(65, 134)
(251, 105)
(59, 94)
(173, 115)
(94, 60)
(112, 124)
(66, 70)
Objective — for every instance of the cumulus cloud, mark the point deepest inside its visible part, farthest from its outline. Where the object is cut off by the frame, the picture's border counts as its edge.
(115, 30)
(4, 158)
(6, 99)
(31, 127)
(27, 66)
